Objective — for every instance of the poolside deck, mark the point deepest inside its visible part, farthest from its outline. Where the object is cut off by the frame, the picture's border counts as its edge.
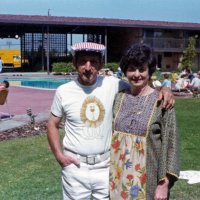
(21, 98)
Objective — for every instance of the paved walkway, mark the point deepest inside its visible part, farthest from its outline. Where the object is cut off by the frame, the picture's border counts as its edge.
(19, 100)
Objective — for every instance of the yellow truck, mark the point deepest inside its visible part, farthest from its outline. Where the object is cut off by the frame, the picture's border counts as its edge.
(12, 58)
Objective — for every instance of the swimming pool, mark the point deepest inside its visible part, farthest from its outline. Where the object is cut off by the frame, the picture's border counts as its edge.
(49, 83)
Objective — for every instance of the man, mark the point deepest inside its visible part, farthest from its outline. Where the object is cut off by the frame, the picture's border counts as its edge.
(86, 106)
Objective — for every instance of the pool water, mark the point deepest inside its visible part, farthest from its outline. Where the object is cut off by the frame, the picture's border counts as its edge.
(48, 83)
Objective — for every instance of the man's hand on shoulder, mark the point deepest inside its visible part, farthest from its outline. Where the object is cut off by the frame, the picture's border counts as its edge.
(166, 98)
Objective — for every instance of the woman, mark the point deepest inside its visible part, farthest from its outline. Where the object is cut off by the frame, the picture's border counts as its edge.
(144, 151)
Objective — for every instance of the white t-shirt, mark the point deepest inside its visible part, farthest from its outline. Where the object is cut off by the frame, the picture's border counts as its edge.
(87, 111)
(195, 82)
(181, 84)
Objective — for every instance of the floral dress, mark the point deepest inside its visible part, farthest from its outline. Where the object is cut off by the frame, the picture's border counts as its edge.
(129, 150)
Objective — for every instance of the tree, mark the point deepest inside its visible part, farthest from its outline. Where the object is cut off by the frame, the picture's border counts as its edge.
(189, 54)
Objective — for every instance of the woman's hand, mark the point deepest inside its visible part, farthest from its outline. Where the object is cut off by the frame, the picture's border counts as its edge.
(162, 188)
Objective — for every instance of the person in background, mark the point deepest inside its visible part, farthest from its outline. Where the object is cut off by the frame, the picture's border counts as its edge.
(174, 77)
(1, 65)
(167, 82)
(144, 148)
(109, 72)
(4, 85)
(86, 105)
(195, 84)
(182, 83)
(187, 72)
(190, 75)
(119, 73)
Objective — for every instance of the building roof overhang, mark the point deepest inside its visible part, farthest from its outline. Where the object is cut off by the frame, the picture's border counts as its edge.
(83, 21)
(20, 24)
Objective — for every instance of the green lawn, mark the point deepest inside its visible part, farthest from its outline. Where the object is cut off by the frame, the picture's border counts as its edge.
(28, 170)
(188, 119)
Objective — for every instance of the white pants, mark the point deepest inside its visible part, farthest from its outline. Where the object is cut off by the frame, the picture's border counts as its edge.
(86, 182)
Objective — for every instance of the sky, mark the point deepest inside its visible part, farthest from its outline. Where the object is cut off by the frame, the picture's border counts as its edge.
(161, 10)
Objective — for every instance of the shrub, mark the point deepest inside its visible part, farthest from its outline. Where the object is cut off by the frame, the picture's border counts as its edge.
(70, 67)
(59, 67)
(157, 75)
(112, 66)
(62, 67)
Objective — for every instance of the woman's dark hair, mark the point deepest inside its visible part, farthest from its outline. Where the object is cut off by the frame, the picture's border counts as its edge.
(138, 55)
